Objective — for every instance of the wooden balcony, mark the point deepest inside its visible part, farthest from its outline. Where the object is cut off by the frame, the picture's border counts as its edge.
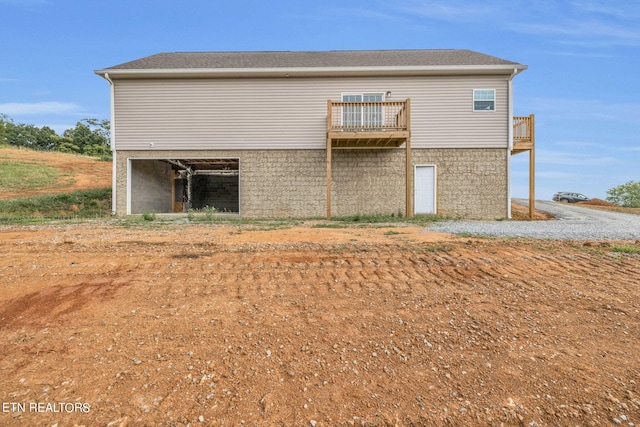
(523, 133)
(368, 124)
(523, 141)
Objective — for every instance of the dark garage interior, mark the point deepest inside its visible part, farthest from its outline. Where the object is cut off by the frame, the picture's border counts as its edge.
(183, 185)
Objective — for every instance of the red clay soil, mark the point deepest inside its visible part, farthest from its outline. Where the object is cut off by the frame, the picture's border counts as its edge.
(597, 202)
(521, 213)
(180, 325)
(75, 172)
(604, 205)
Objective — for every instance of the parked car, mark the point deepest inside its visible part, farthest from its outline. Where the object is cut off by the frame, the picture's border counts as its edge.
(567, 197)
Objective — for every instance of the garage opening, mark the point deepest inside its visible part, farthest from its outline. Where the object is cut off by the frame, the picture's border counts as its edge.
(183, 185)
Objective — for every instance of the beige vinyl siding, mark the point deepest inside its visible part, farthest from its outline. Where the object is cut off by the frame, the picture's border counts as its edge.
(290, 113)
(444, 116)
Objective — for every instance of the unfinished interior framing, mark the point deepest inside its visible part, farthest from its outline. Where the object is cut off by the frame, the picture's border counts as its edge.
(175, 185)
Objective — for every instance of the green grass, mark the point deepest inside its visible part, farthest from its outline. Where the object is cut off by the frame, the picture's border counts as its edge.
(329, 225)
(266, 224)
(206, 216)
(380, 218)
(97, 204)
(626, 249)
(250, 223)
(149, 216)
(16, 176)
(78, 204)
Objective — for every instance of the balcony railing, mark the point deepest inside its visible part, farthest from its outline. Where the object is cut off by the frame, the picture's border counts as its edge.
(523, 133)
(523, 128)
(367, 116)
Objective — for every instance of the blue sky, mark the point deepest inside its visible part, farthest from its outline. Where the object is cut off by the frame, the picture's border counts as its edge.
(583, 81)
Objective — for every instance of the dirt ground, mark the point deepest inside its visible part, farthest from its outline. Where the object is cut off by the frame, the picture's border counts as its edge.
(76, 172)
(184, 324)
(521, 213)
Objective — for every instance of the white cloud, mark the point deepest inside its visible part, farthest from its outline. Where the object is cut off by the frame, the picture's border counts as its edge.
(522, 173)
(590, 32)
(572, 158)
(619, 9)
(596, 55)
(584, 109)
(575, 144)
(583, 23)
(450, 10)
(22, 109)
(578, 23)
(635, 148)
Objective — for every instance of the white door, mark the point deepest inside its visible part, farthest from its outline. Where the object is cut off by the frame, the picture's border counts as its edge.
(425, 189)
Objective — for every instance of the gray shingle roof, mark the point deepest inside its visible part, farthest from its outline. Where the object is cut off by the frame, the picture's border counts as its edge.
(329, 59)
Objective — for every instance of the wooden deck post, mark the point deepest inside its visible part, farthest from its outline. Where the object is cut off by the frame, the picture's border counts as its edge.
(329, 121)
(532, 169)
(328, 178)
(408, 166)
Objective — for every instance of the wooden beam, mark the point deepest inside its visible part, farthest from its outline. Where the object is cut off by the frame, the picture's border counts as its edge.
(369, 135)
(520, 146)
(365, 147)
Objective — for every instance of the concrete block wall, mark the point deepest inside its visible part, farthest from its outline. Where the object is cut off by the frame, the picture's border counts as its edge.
(282, 183)
(471, 183)
(219, 192)
(151, 187)
(368, 181)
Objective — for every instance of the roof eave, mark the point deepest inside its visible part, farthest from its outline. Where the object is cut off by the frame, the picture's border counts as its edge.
(310, 71)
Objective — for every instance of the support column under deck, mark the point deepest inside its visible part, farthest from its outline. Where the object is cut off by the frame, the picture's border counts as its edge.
(408, 166)
(532, 183)
(409, 179)
(328, 177)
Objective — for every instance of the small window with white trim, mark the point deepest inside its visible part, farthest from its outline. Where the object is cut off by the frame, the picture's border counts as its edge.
(484, 100)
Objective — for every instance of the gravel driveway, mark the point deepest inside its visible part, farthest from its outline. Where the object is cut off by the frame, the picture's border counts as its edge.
(573, 223)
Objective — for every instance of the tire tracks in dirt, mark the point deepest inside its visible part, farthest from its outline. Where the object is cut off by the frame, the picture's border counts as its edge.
(165, 328)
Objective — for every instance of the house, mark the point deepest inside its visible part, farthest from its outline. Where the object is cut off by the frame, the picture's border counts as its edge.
(313, 134)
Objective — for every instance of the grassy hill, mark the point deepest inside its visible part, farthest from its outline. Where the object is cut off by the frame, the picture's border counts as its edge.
(36, 184)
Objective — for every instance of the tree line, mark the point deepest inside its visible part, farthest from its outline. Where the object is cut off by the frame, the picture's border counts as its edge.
(627, 195)
(90, 137)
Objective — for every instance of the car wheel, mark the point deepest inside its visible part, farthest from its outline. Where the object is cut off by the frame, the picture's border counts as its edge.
(564, 200)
